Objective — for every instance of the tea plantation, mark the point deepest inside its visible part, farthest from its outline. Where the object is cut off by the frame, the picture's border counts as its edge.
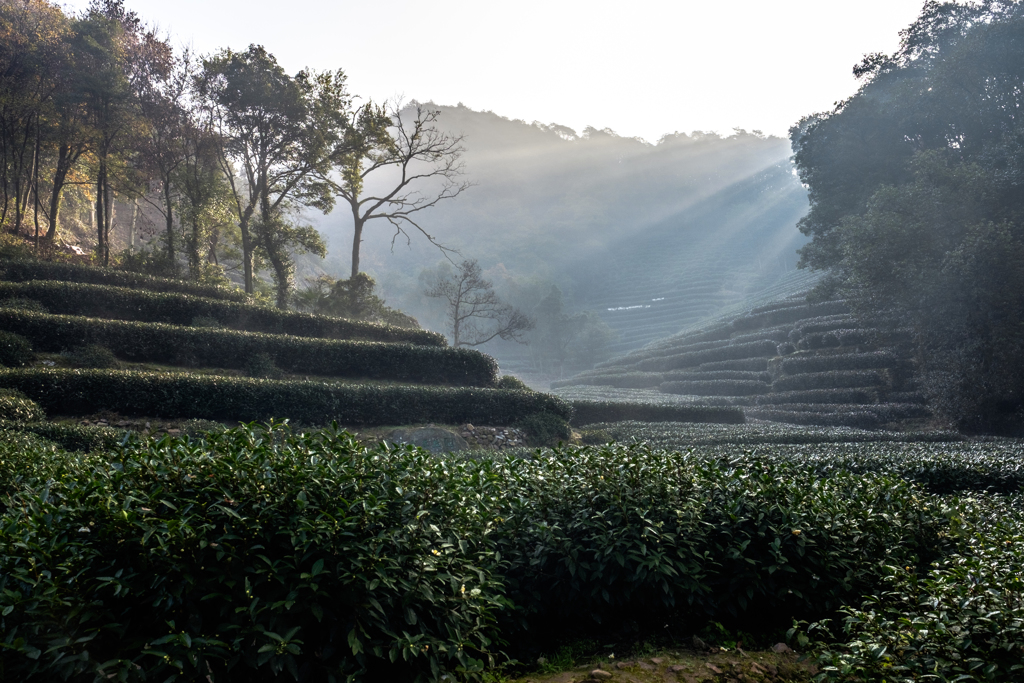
(295, 551)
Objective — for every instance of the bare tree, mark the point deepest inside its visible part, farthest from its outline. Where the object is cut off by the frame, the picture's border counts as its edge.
(422, 166)
(475, 312)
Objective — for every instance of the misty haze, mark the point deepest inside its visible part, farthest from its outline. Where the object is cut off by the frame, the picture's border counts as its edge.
(632, 344)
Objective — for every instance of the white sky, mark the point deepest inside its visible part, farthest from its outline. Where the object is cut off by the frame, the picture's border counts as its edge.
(642, 68)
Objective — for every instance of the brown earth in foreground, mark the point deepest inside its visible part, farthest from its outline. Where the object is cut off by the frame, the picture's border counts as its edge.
(734, 666)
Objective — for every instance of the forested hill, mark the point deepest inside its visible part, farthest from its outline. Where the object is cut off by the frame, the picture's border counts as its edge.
(693, 221)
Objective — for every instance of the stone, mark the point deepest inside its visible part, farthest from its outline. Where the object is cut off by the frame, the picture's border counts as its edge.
(623, 665)
(781, 648)
(677, 668)
(713, 668)
(433, 439)
(657, 660)
(600, 674)
(645, 666)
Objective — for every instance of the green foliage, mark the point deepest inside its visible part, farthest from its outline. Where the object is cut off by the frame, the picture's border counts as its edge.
(915, 189)
(212, 347)
(716, 387)
(281, 554)
(15, 350)
(182, 309)
(15, 407)
(199, 428)
(260, 551)
(93, 356)
(959, 619)
(82, 392)
(73, 437)
(512, 382)
(595, 437)
(262, 365)
(353, 299)
(26, 270)
(23, 304)
(545, 429)
(588, 412)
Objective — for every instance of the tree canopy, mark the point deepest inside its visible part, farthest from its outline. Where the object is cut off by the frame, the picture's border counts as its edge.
(917, 209)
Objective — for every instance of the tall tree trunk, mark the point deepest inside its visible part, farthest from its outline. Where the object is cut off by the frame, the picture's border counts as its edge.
(35, 186)
(170, 226)
(60, 174)
(131, 226)
(247, 245)
(102, 250)
(357, 238)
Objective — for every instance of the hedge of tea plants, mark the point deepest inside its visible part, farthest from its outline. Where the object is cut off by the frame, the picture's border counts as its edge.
(258, 552)
(27, 271)
(587, 412)
(122, 303)
(211, 347)
(168, 395)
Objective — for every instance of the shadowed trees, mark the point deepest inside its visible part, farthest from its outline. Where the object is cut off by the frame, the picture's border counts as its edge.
(475, 313)
(916, 199)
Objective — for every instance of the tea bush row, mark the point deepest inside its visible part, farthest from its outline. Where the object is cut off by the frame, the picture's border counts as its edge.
(121, 303)
(259, 552)
(765, 349)
(25, 271)
(860, 395)
(208, 347)
(849, 416)
(704, 375)
(587, 412)
(845, 361)
(15, 407)
(960, 620)
(720, 387)
(84, 392)
(835, 379)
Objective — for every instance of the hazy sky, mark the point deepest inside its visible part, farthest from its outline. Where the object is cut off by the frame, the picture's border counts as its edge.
(643, 68)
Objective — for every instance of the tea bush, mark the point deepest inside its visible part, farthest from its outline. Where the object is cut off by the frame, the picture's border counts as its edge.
(587, 412)
(93, 356)
(960, 620)
(73, 437)
(83, 392)
(15, 407)
(846, 361)
(258, 552)
(545, 429)
(23, 304)
(262, 365)
(719, 387)
(26, 271)
(838, 379)
(15, 350)
(211, 347)
(121, 303)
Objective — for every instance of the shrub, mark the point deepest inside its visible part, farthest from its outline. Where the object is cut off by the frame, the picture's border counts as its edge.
(861, 419)
(511, 382)
(701, 375)
(595, 437)
(182, 309)
(545, 429)
(82, 392)
(742, 364)
(845, 361)
(262, 365)
(15, 350)
(77, 438)
(206, 321)
(155, 342)
(836, 379)
(860, 395)
(590, 412)
(25, 271)
(93, 356)
(188, 559)
(15, 407)
(720, 387)
(22, 303)
(198, 428)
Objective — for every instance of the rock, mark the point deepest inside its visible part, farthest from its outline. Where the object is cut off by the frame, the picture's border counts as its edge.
(623, 665)
(699, 644)
(713, 668)
(676, 668)
(657, 660)
(600, 674)
(781, 648)
(433, 439)
(645, 666)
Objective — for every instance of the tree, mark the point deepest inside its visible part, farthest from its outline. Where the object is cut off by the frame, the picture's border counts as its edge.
(561, 338)
(917, 208)
(419, 164)
(280, 134)
(354, 298)
(475, 313)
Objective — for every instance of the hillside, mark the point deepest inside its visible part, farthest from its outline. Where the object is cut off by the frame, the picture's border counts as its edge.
(651, 236)
(785, 360)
